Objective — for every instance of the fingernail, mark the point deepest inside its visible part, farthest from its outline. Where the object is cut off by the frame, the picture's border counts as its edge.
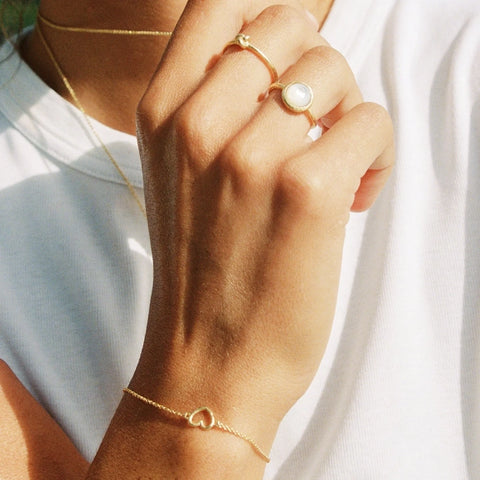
(313, 19)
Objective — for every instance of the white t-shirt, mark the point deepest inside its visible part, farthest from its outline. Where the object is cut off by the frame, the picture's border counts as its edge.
(397, 395)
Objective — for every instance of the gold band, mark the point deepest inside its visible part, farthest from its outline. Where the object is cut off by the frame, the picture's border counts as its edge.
(297, 97)
(243, 41)
(202, 418)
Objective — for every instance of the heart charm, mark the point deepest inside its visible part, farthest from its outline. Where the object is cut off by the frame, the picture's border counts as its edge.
(204, 412)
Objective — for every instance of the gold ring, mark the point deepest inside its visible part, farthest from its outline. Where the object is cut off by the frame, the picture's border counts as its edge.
(243, 41)
(297, 97)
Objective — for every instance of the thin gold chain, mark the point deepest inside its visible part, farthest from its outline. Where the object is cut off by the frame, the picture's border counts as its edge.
(191, 418)
(80, 107)
(114, 31)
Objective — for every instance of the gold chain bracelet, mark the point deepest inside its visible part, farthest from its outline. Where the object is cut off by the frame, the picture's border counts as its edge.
(207, 422)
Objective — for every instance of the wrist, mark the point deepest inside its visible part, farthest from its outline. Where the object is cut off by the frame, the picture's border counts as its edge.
(142, 441)
(177, 397)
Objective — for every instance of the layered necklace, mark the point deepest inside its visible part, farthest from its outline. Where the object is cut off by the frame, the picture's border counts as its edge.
(74, 96)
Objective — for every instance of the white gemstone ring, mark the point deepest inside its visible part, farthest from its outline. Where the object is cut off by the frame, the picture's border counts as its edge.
(297, 97)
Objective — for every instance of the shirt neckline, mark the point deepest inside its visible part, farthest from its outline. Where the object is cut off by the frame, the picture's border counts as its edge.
(58, 128)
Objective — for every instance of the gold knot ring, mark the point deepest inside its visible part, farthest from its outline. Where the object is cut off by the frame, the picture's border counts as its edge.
(297, 97)
(243, 41)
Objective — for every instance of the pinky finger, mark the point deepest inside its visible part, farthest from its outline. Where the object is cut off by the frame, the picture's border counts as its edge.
(372, 183)
(356, 155)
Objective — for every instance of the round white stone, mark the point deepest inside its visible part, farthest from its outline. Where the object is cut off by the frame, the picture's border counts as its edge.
(297, 96)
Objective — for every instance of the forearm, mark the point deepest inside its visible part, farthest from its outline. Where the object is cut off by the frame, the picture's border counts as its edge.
(32, 444)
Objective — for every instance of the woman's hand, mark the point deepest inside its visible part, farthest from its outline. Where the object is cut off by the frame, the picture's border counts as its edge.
(247, 218)
(246, 215)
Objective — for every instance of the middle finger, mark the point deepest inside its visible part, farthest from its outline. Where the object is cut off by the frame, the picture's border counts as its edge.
(230, 94)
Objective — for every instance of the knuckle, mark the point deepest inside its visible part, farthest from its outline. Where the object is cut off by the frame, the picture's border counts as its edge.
(326, 57)
(243, 164)
(376, 116)
(285, 15)
(145, 118)
(326, 54)
(309, 195)
(304, 192)
(192, 126)
(153, 109)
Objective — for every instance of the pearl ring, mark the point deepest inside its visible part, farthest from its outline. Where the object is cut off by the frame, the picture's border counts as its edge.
(297, 97)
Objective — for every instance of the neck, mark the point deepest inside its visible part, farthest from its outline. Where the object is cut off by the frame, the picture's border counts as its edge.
(99, 66)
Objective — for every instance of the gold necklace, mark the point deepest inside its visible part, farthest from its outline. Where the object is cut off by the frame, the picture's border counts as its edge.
(114, 31)
(75, 98)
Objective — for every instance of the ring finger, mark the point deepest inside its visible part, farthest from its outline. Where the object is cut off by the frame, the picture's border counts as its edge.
(277, 132)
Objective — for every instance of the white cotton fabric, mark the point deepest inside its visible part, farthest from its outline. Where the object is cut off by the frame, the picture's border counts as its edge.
(397, 395)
